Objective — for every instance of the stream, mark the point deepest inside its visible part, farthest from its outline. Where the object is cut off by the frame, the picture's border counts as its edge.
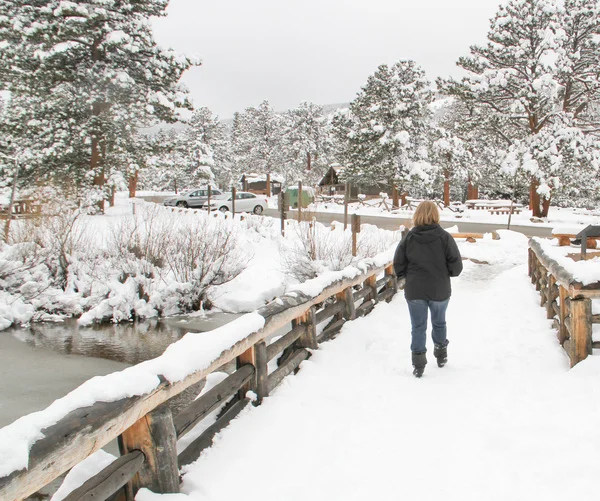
(45, 361)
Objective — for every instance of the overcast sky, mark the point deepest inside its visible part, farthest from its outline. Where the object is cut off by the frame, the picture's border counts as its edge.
(289, 51)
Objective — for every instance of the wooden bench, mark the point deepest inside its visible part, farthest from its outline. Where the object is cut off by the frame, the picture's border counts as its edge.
(472, 237)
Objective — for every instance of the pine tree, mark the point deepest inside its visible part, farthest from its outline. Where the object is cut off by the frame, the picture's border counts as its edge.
(82, 76)
(306, 142)
(388, 124)
(533, 83)
(207, 144)
(257, 141)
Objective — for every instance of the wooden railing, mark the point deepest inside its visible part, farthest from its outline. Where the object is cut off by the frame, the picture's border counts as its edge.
(147, 431)
(567, 301)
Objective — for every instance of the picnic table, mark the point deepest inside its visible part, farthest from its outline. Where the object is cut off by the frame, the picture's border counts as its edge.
(495, 206)
(21, 208)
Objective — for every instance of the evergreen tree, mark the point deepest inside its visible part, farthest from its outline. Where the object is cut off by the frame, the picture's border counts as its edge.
(206, 138)
(306, 142)
(83, 76)
(257, 141)
(388, 125)
(533, 83)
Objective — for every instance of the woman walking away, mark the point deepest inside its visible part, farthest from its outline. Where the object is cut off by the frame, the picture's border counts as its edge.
(426, 258)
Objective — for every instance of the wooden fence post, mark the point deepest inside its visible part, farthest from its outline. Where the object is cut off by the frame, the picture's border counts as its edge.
(355, 232)
(581, 325)
(233, 193)
(346, 200)
(154, 435)
(551, 291)
(299, 201)
(282, 212)
(389, 271)
(309, 339)
(371, 282)
(248, 357)
(563, 334)
(350, 313)
(262, 371)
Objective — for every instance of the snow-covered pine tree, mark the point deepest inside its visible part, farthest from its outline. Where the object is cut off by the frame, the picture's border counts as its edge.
(207, 144)
(532, 85)
(170, 166)
(388, 127)
(257, 141)
(82, 74)
(306, 142)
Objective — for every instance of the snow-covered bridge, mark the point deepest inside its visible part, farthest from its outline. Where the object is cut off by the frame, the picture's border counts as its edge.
(505, 419)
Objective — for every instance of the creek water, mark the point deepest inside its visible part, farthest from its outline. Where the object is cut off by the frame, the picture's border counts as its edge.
(45, 361)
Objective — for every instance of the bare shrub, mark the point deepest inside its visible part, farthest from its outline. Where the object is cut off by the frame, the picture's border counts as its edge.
(146, 236)
(57, 234)
(317, 248)
(205, 252)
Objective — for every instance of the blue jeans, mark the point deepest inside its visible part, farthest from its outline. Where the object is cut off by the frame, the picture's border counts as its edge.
(418, 309)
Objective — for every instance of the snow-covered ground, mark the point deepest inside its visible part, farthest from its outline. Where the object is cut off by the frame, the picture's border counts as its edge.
(135, 261)
(375, 207)
(505, 419)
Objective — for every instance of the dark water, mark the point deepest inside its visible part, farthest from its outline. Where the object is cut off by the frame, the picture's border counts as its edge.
(130, 343)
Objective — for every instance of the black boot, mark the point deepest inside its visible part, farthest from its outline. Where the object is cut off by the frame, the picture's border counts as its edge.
(441, 354)
(419, 361)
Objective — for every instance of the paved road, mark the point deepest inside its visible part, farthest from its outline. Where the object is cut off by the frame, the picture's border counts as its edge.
(392, 223)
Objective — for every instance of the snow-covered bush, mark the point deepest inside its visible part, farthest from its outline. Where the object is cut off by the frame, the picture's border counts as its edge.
(206, 253)
(316, 248)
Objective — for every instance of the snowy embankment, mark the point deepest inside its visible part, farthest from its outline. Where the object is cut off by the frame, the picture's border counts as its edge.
(493, 424)
(147, 261)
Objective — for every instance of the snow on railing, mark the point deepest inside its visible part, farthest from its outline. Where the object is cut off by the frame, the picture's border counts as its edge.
(39, 447)
(567, 289)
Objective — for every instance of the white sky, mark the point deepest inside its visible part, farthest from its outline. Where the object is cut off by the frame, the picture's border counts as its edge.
(289, 51)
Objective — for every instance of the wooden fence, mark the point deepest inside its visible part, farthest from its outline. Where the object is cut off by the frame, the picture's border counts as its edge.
(145, 428)
(567, 301)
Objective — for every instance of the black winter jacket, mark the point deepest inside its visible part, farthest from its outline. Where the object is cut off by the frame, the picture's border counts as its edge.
(427, 257)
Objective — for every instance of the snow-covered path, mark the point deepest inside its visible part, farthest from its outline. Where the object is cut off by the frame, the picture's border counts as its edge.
(504, 420)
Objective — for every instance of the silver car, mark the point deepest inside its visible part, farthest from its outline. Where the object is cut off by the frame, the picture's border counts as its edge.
(193, 198)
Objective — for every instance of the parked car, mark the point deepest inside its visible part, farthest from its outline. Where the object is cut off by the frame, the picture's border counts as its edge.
(193, 198)
(244, 202)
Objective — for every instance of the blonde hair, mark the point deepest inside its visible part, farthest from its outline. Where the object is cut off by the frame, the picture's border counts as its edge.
(426, 213)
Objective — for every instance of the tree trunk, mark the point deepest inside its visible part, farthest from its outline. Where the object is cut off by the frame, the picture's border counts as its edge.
(446, 189)
(394, 196)
(308, 161)
(97, 168)
(133, 181)
(472, 192)
(111, 199)
(545, 207)
(534, 199)
(403, 199)
(268, 185)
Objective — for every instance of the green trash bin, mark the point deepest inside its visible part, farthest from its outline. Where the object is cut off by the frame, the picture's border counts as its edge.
(291, 197)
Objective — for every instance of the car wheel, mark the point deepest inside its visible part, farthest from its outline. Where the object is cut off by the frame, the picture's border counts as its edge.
(224, 208)
(258, 209)
(182, 204)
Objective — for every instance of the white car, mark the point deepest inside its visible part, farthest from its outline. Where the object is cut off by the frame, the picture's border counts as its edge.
(244, 202)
